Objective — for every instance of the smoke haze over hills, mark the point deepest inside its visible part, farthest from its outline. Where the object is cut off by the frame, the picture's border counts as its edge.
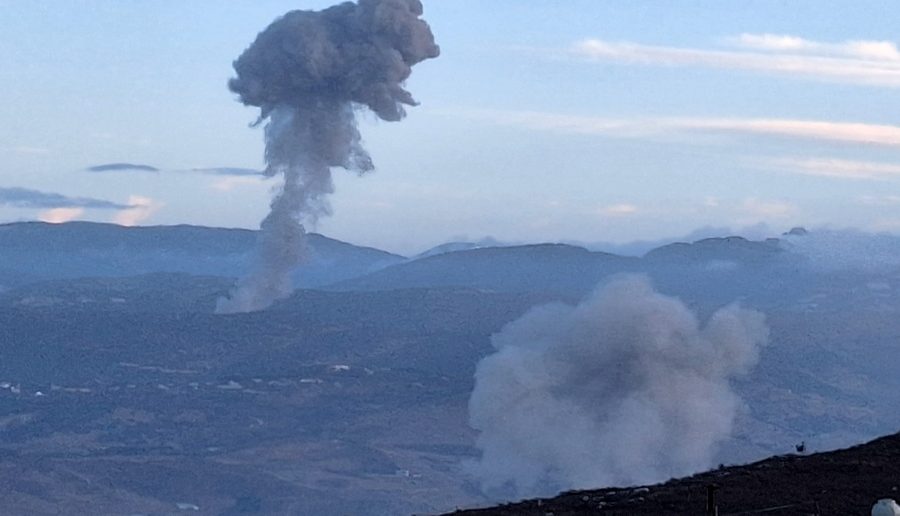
(371, 376)
(625, 388)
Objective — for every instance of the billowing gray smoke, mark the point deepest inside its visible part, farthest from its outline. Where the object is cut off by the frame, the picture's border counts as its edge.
(625, 388)
(308, 72)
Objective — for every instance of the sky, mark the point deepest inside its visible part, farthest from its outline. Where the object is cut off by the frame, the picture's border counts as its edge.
(584, 120)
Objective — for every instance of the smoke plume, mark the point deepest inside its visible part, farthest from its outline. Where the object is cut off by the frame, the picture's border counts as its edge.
(625, 388)
(308, 72)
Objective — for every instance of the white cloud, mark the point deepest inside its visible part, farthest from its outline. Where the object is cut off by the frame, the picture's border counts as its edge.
(618, 210)
(838, 168)
(884, 50)
(879, 200)
(849, 132)
(140, 209)
(859, 49)
(774, 42)
(768, 209)
(28, 150)
(229, 183)
(871, 63)
(843, 132)
(60, 215)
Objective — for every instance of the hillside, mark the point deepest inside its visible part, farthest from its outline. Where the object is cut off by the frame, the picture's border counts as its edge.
(328, 403)
(154, 292)
(352, 399)
(556, 268)
(841, 483)
(35, 251)
(726, 249)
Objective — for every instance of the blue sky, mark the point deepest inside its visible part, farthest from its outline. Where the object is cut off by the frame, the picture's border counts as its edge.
(542, 121)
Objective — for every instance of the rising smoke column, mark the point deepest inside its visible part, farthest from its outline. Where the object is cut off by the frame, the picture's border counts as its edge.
(308, 72)
(625, 388)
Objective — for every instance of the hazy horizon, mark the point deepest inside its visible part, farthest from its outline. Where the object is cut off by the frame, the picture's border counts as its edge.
(589, 123)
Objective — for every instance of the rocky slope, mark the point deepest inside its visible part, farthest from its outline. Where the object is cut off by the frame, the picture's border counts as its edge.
(845, 482)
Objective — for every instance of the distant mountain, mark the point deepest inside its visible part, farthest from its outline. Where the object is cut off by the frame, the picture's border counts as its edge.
(725, 268)
(451, 247)
(33, 251)
(727, 250)
(555, 268)
(641, 247)
(717, 271)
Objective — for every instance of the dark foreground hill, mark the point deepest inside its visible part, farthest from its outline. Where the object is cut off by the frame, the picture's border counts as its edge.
(844, 482)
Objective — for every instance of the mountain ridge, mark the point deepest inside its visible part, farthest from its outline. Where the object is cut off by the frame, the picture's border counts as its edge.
(34, 251)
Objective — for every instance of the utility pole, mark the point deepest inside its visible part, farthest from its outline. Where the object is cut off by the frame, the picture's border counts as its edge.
(712, 509)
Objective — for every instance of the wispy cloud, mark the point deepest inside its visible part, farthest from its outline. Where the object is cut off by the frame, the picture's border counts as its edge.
(879, 200)
(768, 209)
(229, 171)
(875, 63)
(844, 132)
(122, 167)
(783, 43)
(60, 215)
(58, 208)
(140, 209)
(26, 198)
(140, 167)
(230, 178)
(27, 150)
(837, 168)
(229, 183)
(618, 210)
